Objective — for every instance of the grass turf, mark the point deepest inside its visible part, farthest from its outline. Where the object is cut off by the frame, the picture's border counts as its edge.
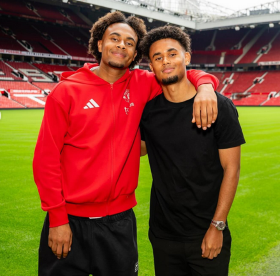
(253, 220)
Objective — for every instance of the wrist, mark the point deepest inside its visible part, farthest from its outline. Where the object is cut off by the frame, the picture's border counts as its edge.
(218, 224)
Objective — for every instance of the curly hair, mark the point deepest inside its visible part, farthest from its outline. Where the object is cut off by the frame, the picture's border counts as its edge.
(99, 27)
(165, 32)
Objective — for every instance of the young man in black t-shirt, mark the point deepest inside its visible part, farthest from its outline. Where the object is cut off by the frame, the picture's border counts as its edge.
(195, 172)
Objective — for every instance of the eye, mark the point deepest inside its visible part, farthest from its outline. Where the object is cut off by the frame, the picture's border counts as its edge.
(172, 55)
(114, 39)
(129, 44)
(158, 58)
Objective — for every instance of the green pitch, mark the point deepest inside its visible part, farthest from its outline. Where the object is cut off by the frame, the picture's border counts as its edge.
(254, 219)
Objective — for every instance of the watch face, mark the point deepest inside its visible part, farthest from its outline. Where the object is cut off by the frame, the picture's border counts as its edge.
(221, 225)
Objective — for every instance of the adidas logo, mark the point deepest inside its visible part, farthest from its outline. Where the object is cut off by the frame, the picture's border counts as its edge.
(91, 104)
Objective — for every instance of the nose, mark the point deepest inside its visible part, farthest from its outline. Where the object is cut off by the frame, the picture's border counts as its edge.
(121, 44)
(165, 60)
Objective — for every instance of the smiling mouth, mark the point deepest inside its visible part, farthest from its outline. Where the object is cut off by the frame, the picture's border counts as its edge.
(167, 70)
(120, 55)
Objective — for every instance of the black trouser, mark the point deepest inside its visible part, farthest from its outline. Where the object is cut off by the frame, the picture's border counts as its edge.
(172, 258)
(102, 247)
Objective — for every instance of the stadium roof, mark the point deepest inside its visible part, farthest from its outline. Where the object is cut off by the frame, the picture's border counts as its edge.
(194, 14)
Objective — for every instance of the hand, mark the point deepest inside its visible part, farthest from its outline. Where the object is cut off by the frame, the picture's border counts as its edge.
(212, 243)
(60, 240)
(205, 109)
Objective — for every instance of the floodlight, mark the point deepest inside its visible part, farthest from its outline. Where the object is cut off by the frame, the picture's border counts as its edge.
(271, 25)
(252, 26)
(237, 28)
(150, 20)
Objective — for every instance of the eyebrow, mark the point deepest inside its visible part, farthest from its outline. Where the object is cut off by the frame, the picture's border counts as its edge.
(117, 34)
(169, 50)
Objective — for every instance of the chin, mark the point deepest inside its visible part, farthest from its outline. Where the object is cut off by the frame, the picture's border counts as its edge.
(170, 80)
(116, 64)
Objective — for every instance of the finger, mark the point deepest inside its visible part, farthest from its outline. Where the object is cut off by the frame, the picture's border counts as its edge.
(209, 116)
(203, 247)
(70, 242)
(215, 255)
(211, 254)
(193, 117)
(65, 250)
(215, 113)
(59, 250)
(54, 248)
(206, 253)
(196, 112)
(50, 242)
(204, 117)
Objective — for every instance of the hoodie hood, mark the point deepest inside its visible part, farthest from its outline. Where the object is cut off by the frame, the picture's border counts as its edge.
(86, 76)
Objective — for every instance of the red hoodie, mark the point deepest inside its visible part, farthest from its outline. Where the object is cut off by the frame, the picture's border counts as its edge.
(86, 160)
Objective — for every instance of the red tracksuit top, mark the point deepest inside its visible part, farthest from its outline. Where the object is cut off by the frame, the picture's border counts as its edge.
(86, 160)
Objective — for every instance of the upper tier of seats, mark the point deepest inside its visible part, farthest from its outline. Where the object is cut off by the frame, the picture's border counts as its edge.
(39, 10)
(38, 37)
(226, 46)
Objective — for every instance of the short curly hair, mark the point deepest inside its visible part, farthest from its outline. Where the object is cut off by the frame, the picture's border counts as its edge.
(173, 32)
(99, 27)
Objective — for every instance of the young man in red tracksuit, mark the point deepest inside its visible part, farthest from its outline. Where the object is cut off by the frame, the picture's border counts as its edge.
(86, 161)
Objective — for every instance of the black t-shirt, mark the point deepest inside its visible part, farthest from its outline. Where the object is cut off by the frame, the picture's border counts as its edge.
(185, 165)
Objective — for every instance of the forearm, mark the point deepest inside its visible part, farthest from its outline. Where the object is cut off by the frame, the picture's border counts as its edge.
(198, 77)
(227, 193)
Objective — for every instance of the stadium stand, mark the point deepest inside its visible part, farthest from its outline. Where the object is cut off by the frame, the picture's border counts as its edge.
(8, 103)
(251, 100)
(41, 39)
(270, 83)
(274, 101)
(52, 70)
(17, 85)
(16, 7)
(242, 81)
(273, 53)
(46, 86)
(266, 36)
(48, 12)
(7, 73)
(28, 102)
(31, 73)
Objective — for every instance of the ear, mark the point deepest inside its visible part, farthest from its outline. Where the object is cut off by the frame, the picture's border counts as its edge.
(135, 54)
(187, 58)
(151, 67)
(99, 45)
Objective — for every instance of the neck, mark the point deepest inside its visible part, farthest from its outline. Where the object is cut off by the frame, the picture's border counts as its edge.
(109, 73)
(179, 92)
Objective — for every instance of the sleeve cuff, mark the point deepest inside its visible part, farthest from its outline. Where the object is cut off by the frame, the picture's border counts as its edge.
(208, 79)
(58, 216)
(232, 144)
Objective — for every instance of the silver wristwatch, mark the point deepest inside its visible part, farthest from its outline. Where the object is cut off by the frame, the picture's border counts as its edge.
(220, 225)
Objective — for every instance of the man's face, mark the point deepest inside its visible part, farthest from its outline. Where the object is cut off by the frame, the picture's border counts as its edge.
(118, 45)
(168, 60)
